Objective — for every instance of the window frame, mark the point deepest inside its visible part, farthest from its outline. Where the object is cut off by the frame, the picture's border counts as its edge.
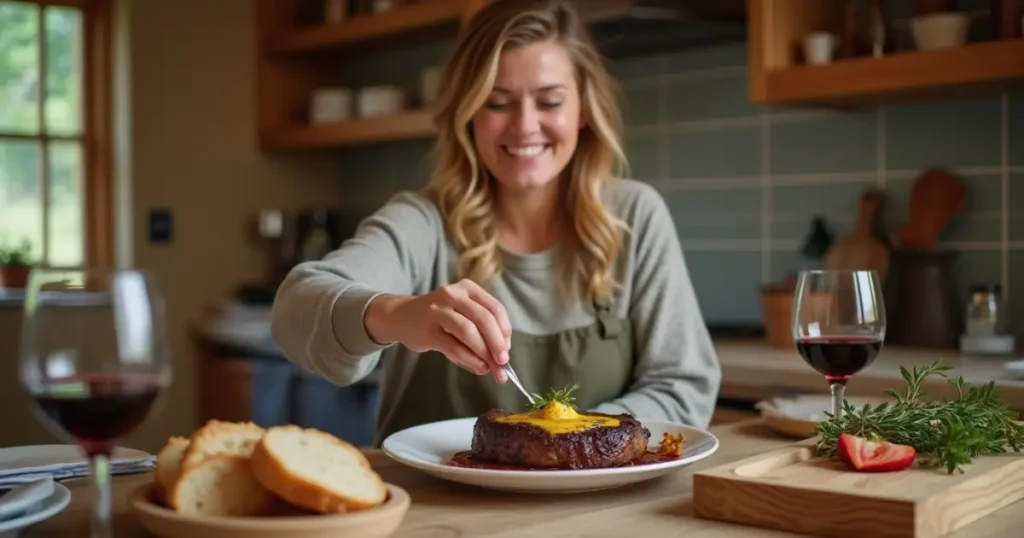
(96, 136)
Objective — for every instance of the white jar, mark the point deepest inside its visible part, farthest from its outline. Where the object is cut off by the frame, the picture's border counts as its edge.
(984, 315)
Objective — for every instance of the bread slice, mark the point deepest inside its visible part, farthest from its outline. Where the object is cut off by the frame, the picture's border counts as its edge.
(222, 485)
(221, 438)
(168, 464)
(316, 471)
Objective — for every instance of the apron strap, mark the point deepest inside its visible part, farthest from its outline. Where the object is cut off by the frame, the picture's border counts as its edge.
(610, 326)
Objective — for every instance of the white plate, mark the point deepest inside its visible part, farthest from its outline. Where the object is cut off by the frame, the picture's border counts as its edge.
(429, 447)
(25, 459)
(23, 497)
(811, 406)
(798, 416)
(44, 509)
(1015, 368)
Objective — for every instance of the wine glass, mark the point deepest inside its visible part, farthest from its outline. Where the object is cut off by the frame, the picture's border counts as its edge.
(838, 324)
(95, 359)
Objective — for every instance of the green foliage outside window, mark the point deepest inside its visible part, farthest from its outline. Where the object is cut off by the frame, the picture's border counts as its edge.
(22, 193)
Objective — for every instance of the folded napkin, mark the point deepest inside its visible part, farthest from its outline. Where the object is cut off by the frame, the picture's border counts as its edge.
(61, 462)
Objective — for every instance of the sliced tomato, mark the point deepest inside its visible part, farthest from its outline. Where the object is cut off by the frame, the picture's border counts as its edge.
(870, 456)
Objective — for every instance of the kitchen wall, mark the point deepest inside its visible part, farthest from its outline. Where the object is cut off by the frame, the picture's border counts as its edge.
(187, 143)
(744, 182)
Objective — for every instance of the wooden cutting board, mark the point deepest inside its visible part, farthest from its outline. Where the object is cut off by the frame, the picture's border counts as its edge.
(861, 251)
(792, 490)
(937, 198)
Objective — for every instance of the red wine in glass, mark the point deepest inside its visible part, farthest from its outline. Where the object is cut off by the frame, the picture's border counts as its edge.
(97, 410)
(95, 358)
(838, 324)
(839, 357)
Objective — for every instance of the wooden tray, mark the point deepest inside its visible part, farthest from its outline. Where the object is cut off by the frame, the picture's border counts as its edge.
(792, 490)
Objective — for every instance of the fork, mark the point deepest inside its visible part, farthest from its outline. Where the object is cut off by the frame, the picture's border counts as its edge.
(515, 380)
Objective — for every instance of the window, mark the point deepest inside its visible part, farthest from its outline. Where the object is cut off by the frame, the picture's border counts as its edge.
(54, 129)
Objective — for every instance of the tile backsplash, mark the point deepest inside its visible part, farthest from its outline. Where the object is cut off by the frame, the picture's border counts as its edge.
(744, 181)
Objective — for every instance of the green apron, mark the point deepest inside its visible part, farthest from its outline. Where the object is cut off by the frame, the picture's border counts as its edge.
(598, 357)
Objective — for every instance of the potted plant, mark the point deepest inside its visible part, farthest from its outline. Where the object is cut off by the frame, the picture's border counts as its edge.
(15, 265)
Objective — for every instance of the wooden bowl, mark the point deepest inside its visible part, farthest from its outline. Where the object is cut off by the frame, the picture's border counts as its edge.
(378, 522)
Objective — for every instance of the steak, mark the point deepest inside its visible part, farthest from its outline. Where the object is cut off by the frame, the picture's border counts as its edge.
(526, 445)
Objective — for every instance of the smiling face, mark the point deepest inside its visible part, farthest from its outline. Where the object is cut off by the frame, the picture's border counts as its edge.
(528, 129)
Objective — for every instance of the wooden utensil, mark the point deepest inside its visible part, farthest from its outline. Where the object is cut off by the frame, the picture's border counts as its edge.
(861, 250)
(792, 490)
(937, 199)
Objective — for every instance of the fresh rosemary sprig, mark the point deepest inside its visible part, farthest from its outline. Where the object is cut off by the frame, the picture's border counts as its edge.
(947, 433)
(555, 395)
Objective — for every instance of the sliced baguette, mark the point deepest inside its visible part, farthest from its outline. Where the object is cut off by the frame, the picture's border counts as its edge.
(222, 485)
(316, 471)
(168, 464)
(221, 438)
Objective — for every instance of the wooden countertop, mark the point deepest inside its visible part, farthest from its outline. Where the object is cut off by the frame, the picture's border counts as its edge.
(752, 370)
(661, 507)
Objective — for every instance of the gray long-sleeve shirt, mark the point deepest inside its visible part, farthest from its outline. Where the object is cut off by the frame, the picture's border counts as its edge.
(403, 248)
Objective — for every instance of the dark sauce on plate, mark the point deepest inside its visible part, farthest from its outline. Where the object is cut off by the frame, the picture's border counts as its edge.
(466, 459)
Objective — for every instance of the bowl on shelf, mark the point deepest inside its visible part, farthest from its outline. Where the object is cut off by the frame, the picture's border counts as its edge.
(942, 30)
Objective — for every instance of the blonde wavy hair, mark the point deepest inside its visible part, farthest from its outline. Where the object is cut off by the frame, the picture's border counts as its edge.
(463, 188)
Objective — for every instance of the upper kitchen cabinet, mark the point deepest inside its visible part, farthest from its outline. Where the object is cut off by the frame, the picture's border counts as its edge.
(847, 53)
(301, 47)
(305, 47)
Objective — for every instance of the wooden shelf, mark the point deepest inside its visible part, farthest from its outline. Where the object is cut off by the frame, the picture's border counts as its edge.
(363, 28)
(294, 62)
(777, 75)
(408, 125)
(984, 67)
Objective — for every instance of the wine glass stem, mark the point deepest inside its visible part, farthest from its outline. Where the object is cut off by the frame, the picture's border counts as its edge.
(838, 389)
(101, 525)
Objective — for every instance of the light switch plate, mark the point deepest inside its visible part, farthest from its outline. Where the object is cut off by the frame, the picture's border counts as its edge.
(161, 226)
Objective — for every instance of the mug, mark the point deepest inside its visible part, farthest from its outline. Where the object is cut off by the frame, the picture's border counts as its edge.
(819, 48)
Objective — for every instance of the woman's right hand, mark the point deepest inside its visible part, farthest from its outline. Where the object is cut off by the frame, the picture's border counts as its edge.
(462, 321)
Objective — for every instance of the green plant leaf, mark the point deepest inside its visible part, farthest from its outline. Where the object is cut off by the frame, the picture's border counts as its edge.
(946, 434)
(563, 396)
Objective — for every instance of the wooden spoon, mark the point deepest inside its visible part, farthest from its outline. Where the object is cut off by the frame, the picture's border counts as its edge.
(937, 199)
(861, 250)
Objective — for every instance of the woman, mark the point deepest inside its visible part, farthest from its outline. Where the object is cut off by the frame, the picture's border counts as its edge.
(522, 249)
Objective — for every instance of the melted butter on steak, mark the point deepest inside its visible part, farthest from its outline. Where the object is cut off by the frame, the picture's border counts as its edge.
(557, 418)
